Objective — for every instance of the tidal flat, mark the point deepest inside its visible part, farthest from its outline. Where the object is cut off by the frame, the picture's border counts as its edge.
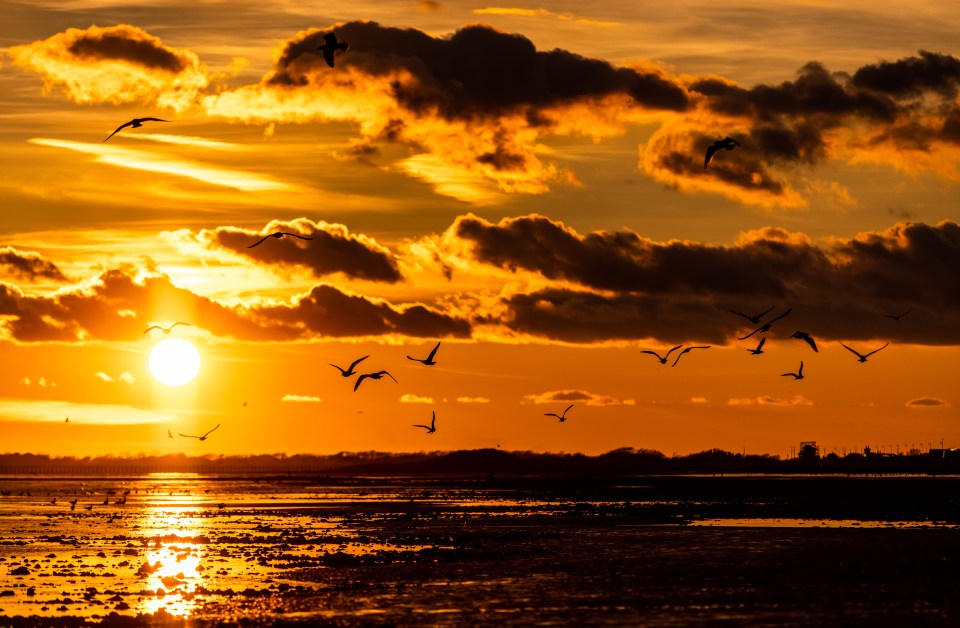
(193, 550)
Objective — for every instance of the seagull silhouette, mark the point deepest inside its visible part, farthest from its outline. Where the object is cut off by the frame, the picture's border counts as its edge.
(663, 359)
(759, 348)
(687, 350)
(727, 143)
(433, 424)
(201, 438)
(862, 357)
(278, 234)
(346, 372)
(561, 417)
(331, 46)
(797, 375)
(169, 434)
(166, 330)
(429, 361)
(377, 375)
(135, 123)
(755, 319)
(73, 503)
(897, 317)
(766, 326)
(807, 338)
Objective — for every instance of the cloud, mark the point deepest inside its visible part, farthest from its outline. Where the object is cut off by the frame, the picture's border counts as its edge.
(620, 286)
(41, 381)
(332, 249)
(116, 64)
(300, 399)
(45, 411)
(124, 377)
(572, 396)
(796, 400)
(699, 400)
(119, 304)
(29, 265)
(472, 400)
(518, 12)
(927, 402)
(409, 398)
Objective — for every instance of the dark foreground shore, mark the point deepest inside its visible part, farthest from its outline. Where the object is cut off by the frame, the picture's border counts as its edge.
(481, 551)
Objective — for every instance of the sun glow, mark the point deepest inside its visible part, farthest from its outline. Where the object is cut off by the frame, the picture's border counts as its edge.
(174, 362)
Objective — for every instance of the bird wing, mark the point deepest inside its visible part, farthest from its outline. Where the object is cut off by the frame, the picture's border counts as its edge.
(342, 371)
(679, 355)
(152, 120)
(330, 38)
(800, 372)
(567, 410)
(423, 426)
(671, 351)
(360, 379)
(180, 323)
(328, 56)
(356, 362)
(188, 435)
(762, 340)
(655, 353)
(433, 353)
(551, 414)
(433, 419)
(125, 124)
(854, 352)
(766, 310)
(875, 350)
(779, 317)
(753, 332)
(260, 241)
(390, 376)
(154, 327)
(739, 313)
(211, 431)
(296, 235)
(810, 341)
(710, 152)
(410, 357)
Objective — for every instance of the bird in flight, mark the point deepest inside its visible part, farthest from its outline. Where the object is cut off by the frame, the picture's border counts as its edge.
(201, 438)
(797, 375)
(766, 326)
(377, 375)
(862, 357)
(135, 123)
(346, 372)
(897, 317)
(429, 361)
(727, 143)
(278, 234)
(663, 358)
(331, 46)
(166, 330)
(807, 338)
(759, 348)
(433, 424)
(687, 350)
(561, 417)
(755, 319)
(169, 434)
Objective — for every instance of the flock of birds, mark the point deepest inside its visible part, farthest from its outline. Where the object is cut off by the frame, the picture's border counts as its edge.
(329, 49)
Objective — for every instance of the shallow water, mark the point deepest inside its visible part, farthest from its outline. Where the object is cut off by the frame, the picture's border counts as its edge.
(402, 551)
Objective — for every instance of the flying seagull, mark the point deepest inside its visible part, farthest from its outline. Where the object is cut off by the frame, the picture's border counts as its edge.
(278, 234)
(807, 338)
(169, 434)
(663, 359)
(166, 330)
(135, 123)
(755, 319)
(201, 438)
(561, 417)
(377, 375)
(687, 350)
(766, 326)
(759, 348)
(345, 372)
(862, 357)
(331, 46)
(429, 361)
(797, 375)
(897, 317)
(727, 143)
(433, 424)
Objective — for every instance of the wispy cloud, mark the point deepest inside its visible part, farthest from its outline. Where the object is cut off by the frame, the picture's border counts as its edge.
(124, 377)
(409, 398)
(927, 402)
(41, 411)
(300, 399)
(796, 400)
(42, 382)
(29, 265)
(472, 400)
(163, 164)
(519, 12)
(567, 396)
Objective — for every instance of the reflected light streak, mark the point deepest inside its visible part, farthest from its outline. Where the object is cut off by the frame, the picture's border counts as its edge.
(155, 162)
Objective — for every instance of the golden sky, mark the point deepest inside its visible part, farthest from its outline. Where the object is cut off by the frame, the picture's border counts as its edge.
(523, 183)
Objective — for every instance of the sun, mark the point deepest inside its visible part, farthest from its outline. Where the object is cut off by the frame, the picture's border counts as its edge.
(174, 362)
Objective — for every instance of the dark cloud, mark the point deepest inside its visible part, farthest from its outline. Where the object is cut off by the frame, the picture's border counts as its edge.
(333, 249)
(682, 291)
(29, 265)
(476, 72)
(127, 44)
(912, 76)
(927, 402)
(118, 307)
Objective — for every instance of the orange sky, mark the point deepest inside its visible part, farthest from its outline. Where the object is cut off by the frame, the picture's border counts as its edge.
(523, 184)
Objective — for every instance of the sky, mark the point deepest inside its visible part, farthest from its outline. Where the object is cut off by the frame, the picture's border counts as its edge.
(522, 183)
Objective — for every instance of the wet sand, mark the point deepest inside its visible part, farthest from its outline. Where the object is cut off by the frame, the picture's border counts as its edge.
(201, 551)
